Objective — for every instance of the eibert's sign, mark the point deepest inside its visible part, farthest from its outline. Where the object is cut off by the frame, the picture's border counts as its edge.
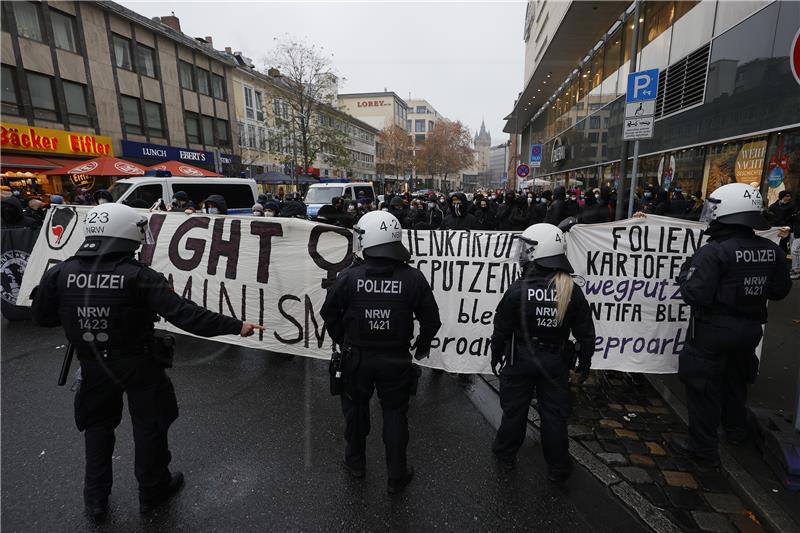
(46, 141)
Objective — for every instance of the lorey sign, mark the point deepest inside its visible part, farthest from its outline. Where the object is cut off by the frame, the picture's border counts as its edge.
(275, 271)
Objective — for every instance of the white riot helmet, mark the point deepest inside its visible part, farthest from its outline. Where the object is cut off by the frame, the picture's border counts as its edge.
(735, 203)
(545, 245)
(379, 234)
(114, 228)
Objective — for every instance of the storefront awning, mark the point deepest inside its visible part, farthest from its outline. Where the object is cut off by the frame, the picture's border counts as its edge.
(101, 166)
(185, 170)
(25, 162)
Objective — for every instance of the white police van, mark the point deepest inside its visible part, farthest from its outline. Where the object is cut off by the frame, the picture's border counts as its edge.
(322, 193)
(240, 193)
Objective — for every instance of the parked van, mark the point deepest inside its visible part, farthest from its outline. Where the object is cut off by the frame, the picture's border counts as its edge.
(240, 194)
(320, 194)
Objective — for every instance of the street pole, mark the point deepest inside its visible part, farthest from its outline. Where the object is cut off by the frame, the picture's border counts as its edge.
(634, 170)
(623, 163)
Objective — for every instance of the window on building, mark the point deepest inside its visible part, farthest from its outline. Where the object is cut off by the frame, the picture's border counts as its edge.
(154, 119)
(594, 123)
(593, 136)
(430, 125)
(146, 60)
(11, 103)
(251, 136)
(26, 15)
(419, 138)
(262, 139)
(223, 136)
(208, 130)
(218, 86)
(192, 122)
(419, 126)
(77, 110)
(242, 135)
(42, 96)
(122, 52)
(187, 80)
(132, 115)
(408, 125)
(259, 106)
(658, 16)
(422, 109)
(248, 103)
(613, 56)
(203, 82)
(64, 31)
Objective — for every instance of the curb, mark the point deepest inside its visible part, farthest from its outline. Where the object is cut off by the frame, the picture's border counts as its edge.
(483, 396)
(748, 488)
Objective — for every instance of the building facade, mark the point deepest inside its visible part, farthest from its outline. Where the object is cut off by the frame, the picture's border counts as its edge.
(728, 103)
(482, 143)
(100, 69)
(379, 110)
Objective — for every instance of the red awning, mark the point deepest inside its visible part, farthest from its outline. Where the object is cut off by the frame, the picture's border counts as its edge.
(184, 170)
(102, 166)
(26, 162)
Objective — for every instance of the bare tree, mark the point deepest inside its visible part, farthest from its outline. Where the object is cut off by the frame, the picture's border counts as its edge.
(447, 149)
(396, 153)
(309, 87)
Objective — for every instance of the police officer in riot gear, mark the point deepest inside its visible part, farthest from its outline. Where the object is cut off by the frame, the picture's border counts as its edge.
(531, 350)
(107, 303)
(727, 282)
(370, 312)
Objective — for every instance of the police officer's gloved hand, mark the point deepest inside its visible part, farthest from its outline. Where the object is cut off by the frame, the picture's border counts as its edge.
(497, 362)
(422, 349)
(582, 371)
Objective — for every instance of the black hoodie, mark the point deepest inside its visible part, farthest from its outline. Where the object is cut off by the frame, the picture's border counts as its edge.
(557, 211)
(219, 201)
(462, 220)
(13, 216)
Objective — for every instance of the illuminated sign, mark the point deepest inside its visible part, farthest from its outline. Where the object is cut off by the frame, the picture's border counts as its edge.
(43, 140)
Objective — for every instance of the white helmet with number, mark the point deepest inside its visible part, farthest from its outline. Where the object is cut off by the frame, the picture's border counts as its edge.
(380, 234)
(113, 228)
(545, 245)
(735, 203)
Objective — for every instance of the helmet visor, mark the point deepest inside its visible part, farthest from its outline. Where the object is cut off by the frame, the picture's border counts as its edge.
(523, 250)
(144, 228)
(708, 213)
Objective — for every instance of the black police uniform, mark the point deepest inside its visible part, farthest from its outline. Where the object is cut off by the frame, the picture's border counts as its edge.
(371, 310)
(538, 358)
(727, 283)
(107, 306)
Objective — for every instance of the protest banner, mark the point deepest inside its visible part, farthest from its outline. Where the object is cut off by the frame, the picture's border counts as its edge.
(275, 271)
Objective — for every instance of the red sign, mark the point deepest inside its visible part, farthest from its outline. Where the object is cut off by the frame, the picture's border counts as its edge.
(523, 170)
(794, 56)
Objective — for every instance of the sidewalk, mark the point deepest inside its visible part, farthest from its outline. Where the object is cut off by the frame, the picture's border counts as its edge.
(619, 427)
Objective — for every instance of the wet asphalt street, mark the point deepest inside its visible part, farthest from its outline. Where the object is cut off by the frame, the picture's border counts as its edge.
(260, 441)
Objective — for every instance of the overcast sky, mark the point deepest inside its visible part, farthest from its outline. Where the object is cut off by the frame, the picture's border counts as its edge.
(465, 58)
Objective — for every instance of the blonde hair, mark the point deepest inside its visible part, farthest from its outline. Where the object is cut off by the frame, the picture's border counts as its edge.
(563, 285)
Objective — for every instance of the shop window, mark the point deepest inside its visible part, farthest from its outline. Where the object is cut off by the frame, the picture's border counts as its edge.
(146, 60)
(75, 96)
(185, 70)
(132, 115)
(154, 119)
(122, 52)
(11, 103)
(203, 83)
(192, 122)
(208, 130)
(64, 31)
(223, 137)
(42, 96)
(28, 19)
(218, 86)
(782, 166)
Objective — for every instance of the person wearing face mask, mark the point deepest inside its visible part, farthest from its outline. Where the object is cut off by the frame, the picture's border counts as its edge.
(518, 218)
(397, 209)
(271, 209)
(258, 210)
(571, 204)
(504, 211)
(458, 217)
(434, 216)
(593, 212)
(215, 205)
(484, 218)
(416, 213)
(695, 206)
(181, 202)
(102, 196)
(557, 210)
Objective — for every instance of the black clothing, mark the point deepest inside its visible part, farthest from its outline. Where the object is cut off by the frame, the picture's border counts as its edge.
(293, 208)
(593, 212)
(107, 306)
(459, 218)
(678, 207)
(371, 309)
(13, 215)
(435, 217)
(557, 210)
(518, 216)
(538, 359)
(727, 283)
(219, 201)
(484, 218)
(572, 208)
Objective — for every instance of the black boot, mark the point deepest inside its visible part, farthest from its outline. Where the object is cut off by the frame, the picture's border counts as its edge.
(96, 509)
(397, 485)
(680, 446)
(174, 486)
